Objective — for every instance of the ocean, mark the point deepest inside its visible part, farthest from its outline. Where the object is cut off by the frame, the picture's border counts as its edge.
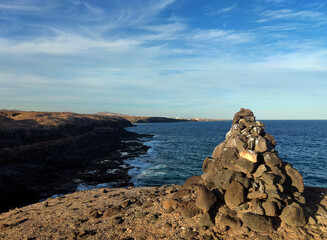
(178, 149)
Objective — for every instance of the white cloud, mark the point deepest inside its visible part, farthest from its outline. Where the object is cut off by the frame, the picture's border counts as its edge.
(221, 36)
(291, 14)
(65, 44)
(221, 10)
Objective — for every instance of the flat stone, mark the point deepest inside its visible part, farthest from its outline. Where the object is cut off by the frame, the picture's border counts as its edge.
(296, 178)
(235, 194)
(293, 215)
(206, 221)
(241, 165)
(271, 159)
(257, 195)
(249, 155)
(205, 199)
(260, 144)
(260, 170)
(257, 223)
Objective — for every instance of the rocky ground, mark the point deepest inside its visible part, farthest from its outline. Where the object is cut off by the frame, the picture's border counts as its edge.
(141, 213)
(43, 153)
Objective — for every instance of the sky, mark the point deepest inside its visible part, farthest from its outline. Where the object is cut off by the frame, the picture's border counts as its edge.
(175, 58)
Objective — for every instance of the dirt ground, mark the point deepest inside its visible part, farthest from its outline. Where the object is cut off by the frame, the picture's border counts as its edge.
(137, 213)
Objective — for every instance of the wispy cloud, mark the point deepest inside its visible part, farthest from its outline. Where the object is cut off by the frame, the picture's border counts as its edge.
(221, 36)
(214, 12)
(291, 14)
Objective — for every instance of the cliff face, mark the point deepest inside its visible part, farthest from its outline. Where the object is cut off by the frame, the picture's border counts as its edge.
(49, 153)
(21, 128)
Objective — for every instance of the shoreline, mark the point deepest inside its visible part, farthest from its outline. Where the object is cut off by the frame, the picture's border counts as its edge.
(90, 154)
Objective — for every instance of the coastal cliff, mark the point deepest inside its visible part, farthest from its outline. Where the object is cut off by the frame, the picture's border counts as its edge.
(46, 153)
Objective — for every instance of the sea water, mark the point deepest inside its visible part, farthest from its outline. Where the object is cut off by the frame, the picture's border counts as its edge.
(177, 150)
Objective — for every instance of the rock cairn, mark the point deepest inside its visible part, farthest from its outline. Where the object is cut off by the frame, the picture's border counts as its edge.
(244, 183)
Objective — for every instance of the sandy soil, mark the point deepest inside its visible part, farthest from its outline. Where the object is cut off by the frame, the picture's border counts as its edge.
(137, 213)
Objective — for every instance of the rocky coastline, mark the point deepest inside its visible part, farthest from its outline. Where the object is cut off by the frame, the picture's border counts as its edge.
(42, 154)
(246, 191)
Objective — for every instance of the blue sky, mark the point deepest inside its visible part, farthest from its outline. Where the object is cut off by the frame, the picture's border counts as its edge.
(185, 58)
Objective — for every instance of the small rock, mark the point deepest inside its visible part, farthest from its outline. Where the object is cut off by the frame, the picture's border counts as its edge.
(270, 139)
(241, 165)
(293, 215)
(169, 203)
(268, 178)
(188, 209)
(257, 223)
(205, 199)
(243, 207)
(208, 165)
(271, 159)
(223, 178)
(270, 208)
(218, 151)
(296, 178)
(275, 194)
(233, 223)
(256, 131)
(235, 194)
(111, 211)
(260, 170)
(194, 180)
(206, 221)
(257, 195)
(250, 143)
(261, 144)
(116, 220)
(95, 214)
(249, 155)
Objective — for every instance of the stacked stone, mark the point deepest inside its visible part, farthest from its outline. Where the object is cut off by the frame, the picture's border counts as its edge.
(244, 183)
(245, 169)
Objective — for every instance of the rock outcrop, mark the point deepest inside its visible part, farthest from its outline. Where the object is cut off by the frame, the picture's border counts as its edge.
(248, 178)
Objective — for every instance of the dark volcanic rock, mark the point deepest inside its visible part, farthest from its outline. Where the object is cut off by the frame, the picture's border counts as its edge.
(235, 194)
(257, 223)
(293, 215)
(271, 159)
(296, 178)
(205, 199)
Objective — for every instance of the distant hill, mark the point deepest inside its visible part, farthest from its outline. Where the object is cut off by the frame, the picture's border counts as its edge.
(140, 119)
